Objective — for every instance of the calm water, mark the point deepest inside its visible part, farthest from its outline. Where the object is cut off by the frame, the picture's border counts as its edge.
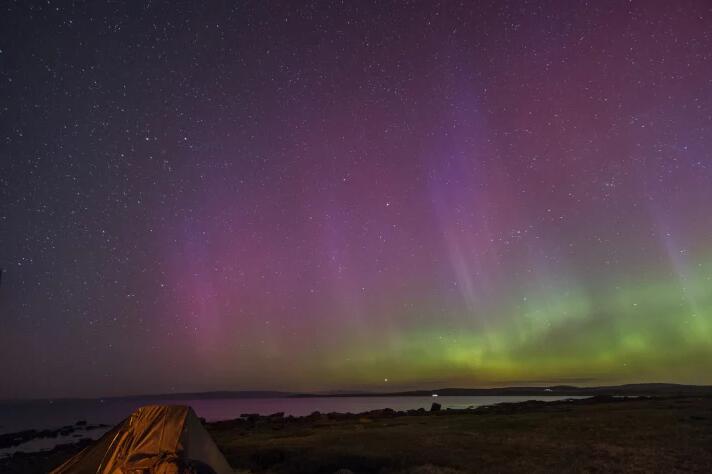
(18, 416)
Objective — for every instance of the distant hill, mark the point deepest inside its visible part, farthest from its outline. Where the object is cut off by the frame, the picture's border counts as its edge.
(244, 394)
(642, 389)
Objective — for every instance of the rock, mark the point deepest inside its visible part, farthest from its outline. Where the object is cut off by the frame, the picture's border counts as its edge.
(251, 417)
(339, 416)
(435, 407)
(314, 416)
(382, 413)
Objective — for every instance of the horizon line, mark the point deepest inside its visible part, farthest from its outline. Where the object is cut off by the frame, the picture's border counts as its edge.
(345, 393)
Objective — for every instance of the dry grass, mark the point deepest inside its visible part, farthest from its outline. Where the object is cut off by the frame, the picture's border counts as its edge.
(658, 435)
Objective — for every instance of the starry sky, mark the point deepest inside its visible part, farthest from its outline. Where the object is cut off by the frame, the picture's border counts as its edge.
(353, 195)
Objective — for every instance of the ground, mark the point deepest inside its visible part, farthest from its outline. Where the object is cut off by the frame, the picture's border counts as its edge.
(596, 435)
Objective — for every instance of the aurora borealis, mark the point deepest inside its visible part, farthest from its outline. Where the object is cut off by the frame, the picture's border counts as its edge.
(354, 195)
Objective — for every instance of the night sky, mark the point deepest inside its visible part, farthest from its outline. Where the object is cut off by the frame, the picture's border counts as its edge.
(353, 195)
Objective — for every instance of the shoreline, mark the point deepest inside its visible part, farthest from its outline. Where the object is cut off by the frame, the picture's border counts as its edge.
(44, 417)
(13, 439)
(652, 433)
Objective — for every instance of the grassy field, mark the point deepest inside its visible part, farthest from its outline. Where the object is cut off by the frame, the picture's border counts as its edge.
(600, 435)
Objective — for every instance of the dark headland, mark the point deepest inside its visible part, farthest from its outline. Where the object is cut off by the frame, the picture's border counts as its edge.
(629, 390)
(668, 429)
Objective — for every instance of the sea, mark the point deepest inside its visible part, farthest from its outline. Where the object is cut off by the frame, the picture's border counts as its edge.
(47, 414)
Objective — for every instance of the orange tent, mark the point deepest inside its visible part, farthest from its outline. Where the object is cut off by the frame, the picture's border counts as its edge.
(153, 440)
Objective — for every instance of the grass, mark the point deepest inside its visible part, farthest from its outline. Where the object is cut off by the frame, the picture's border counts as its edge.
(658, 435)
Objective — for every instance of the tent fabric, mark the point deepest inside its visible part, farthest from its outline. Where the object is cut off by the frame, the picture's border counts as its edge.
(155, 439)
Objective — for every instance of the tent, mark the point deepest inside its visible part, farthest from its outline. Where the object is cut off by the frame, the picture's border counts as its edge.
(156, 439)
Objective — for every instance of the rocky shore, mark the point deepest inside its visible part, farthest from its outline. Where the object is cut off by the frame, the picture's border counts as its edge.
(9, 440)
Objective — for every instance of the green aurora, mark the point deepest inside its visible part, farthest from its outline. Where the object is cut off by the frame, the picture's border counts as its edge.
(650, 331)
